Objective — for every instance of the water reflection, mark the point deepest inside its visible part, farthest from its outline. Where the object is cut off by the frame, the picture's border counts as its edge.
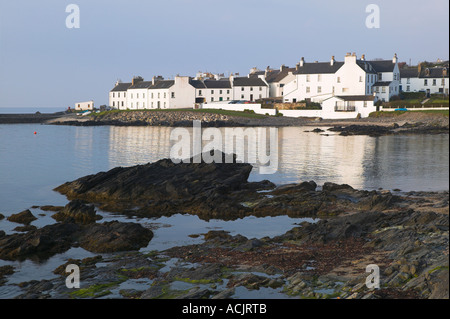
(415, 162)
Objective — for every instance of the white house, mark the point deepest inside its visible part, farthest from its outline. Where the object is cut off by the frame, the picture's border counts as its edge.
(249, 88)
(83, 106)
(388, 78)
(314, 81)
(348, 106)
(277, 79)
(429, 80)
(118, 95)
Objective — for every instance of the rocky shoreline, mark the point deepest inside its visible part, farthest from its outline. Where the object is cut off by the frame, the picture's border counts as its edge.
(405, 234)
(408, 123)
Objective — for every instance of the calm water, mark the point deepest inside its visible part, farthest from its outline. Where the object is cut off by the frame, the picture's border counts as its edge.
(32, 165)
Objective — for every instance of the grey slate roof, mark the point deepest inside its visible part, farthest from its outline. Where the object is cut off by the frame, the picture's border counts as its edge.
(433, 73)
(383, 83)
(121, 87)
(141, 85)
(162, 85)
(409, 72)
(213, 84)
(356, 97)
(197, 84)
(319, 68)
(245, 81)
(383, 65)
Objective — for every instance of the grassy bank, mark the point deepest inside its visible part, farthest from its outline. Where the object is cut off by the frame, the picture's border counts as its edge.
(397, 113)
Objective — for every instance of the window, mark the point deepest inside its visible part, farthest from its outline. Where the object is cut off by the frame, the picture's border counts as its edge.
(164, 96)
(383, 89)
(137, 104)
(212, 91)
(242, 88)
(408, 88)
(338, 79)
(434, 82)
(212, 99)
(113, 94)
(251, 88)
(143, 95)
(360, 79)
(159, 95)
(124, 95)
(344, 90)
(122, 103)
(380, 76)
(242, 96)
(425, 82)
(131, 95)
(173, 95)
(152, 95)
(220, 92)
(408, 81)
(319, 89)
(200, 92)
(228, 91)
(220, 98)
(152, 104)
(260, 96)
(365, 103)
(164, 104)
(118, 94)
(307, 78)
(260, 88)
(443, 82)
(137, 95)
(308, 89)
(319, 77)
(131, 104)
(228, 98)
(114, 103)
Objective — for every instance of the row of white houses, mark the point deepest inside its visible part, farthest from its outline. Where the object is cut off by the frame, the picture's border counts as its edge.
(352, 85)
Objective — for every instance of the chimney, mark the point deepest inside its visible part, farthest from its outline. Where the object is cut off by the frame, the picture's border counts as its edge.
(153, 80)
(444, 71)
(297, 66)
(136, 79)
(332, 60)
(302, 61)
(282, 67)
(350, 58)
(419, 69)
(395, 59)
(363, 57)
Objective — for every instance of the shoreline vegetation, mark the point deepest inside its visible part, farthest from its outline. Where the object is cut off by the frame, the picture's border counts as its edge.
(405, 234)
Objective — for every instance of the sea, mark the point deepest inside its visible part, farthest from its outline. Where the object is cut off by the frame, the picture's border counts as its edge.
(36, 158)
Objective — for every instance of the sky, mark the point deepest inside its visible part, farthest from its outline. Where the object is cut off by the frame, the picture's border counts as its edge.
(43, 63)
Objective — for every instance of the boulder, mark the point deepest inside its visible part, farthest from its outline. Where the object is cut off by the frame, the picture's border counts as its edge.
(25, 217)
(78, 212)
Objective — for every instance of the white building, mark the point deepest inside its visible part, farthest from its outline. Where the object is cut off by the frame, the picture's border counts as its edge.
(277, 79)
(388, 82)
(249, 88)
(118, 95)
(83, 106)
(318, 81)
(429, 80)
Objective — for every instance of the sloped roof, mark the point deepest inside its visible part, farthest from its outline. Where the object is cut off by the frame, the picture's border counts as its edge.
(383, 83)
(213, 84)
(356, 97)
(121, 87)
(197, 84)
(383, 65)
(319, 68)
(245, 81)
(409, 72)
(162, 85)
(141, 85)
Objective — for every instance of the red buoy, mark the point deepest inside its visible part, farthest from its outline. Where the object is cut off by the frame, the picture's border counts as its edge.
(35, 133)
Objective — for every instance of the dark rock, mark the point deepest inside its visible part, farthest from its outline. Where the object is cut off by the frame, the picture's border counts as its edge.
(77, 211)
(114, 236)
(25, 217)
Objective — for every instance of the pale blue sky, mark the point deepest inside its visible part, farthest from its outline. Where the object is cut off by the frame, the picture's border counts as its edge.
(44, 64)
